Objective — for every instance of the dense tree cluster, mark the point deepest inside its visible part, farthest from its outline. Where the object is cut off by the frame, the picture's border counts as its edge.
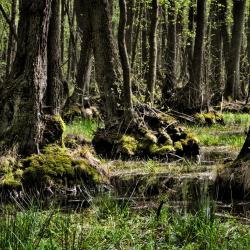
(184, 55)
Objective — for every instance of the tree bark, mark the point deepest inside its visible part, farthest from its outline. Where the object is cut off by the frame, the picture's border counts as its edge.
(85, 62)
(107, 74)
(127, 89)
(21, 96)
(55, 88)
(130, 25)
(195, 83)
(170, 77)
(233, 88)
(151, 78)
(216, 81)
(11, 40)
(63, 13)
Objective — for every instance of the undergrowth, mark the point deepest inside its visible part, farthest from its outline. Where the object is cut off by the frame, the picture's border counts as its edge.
(83, 127)
(109, 225)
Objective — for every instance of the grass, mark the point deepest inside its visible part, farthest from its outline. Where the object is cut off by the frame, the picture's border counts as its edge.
(231, 135)
(85, 127)
(108, 225)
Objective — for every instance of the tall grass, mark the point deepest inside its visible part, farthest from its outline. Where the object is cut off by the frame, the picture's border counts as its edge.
(108, 225)
(231, 134)
(83, 127)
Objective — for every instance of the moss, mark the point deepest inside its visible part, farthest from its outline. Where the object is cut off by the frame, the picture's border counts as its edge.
(9, 180)
(209, 118)
(166, 119)
(178, 146)
(191, 138)
(200, 118)
(83, 170)
(54, 129)
(54, 164)
(150, 137)
(72, 113)
(161, 150)
(164, 137)
(129, 145)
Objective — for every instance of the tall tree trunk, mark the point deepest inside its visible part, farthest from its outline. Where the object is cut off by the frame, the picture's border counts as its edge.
(130, 25)
(151, 78)
(216, 80)
(195, 84)
(85, 62)
(136, 36)
(21, 96)
(11, 40)
(104, 54)
(233, 88)
(55, 89)
(190, 40)
(127, 91)
(170, 77)
(63, 13)
(248, 55)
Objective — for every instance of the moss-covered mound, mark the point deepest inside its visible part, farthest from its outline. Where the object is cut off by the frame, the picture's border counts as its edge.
(57, 169)
(155, 135)
(209, 119)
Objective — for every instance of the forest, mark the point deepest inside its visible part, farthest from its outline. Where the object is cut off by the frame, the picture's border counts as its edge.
(124, 124)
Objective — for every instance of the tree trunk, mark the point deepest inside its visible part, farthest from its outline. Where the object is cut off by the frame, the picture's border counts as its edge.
(21, 96)
(136, 38)
(127, 90)
(151, 78)
(233, 88)
(190, 41)
(130, 25)
(105, 56)
(11, 40)
(55, 91)
(170, 77)
(62, 28)
(195, 84)
(248, 56)
(216, 80)
(85, 62)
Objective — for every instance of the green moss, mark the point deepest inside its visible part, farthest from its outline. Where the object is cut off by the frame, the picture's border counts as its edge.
(83, 168)
(178, 146)
(209, 118)
(200, 118)
(54, 164)
(150, 136)
(191, 138)
(166, 119)
(10, 181)
(129, 145)
(166, 137)
(71, 113)
(59, 121)
(160, 150)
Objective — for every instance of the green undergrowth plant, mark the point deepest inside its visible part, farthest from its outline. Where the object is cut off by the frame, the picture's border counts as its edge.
(83, 127)
(231, 134)
(112, 224)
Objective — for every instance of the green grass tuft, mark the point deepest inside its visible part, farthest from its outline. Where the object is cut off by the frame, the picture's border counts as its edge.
(86, 128)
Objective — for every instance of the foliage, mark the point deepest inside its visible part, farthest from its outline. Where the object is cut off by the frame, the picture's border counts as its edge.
(107, 225)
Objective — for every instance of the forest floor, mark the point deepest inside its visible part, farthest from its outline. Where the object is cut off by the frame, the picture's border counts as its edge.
(143, 212)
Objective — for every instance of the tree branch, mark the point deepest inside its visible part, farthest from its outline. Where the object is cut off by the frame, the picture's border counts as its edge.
(13, 31)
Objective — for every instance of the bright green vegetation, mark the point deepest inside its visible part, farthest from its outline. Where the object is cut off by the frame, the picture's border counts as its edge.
(85, 127)
(232, 134)
(107, 225)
